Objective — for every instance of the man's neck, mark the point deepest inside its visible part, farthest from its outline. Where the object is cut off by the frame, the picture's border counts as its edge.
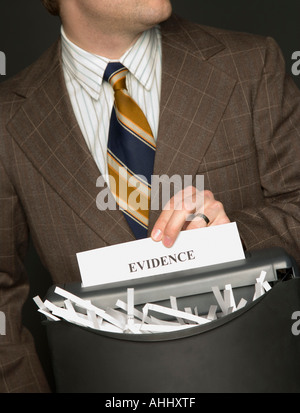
(101, 44)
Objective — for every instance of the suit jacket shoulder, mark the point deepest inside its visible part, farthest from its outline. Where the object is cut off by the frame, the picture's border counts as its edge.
(236, 53)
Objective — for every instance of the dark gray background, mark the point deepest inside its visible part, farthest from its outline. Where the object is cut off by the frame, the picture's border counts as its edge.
(26, 30)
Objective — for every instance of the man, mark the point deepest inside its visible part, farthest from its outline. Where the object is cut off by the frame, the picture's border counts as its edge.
(219, 105)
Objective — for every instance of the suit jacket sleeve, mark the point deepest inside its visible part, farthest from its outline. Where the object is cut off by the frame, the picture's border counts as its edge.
(20, 369)
(276, 114)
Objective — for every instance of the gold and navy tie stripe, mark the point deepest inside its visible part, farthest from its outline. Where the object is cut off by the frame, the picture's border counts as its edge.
(130, 153)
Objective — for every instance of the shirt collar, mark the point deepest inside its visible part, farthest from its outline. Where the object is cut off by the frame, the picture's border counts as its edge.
(88, 68)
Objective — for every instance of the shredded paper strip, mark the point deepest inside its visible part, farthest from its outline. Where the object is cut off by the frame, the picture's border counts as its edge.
(125, 318)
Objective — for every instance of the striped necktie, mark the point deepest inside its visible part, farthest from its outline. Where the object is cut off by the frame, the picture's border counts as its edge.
(130, 153)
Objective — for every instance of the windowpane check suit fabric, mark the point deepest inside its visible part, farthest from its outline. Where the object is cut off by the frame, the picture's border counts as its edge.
(228, 111)
(130, 151)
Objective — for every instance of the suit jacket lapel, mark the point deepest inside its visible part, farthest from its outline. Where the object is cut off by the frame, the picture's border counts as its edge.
(46, 129)
(193, 99)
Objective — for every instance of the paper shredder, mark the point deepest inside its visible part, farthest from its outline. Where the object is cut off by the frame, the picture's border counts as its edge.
(255, 349)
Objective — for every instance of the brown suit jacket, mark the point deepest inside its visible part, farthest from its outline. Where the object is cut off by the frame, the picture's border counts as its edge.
(228, 111)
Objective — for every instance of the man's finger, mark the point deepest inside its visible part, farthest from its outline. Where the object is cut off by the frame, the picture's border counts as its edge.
(181, 204)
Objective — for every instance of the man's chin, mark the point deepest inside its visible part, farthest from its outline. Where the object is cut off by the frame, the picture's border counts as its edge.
(160, 13)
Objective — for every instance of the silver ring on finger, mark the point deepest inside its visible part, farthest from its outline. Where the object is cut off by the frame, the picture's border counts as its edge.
(199, 215)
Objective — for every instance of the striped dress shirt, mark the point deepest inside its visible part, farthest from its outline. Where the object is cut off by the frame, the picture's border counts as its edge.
(92, 98)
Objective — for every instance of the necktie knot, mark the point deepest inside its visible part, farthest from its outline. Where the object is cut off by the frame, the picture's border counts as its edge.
(115, 74)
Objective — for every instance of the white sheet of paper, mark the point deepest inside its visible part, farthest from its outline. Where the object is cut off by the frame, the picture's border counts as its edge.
(143, 258)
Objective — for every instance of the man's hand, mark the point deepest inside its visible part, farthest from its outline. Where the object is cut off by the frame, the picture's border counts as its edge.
(188, 209)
